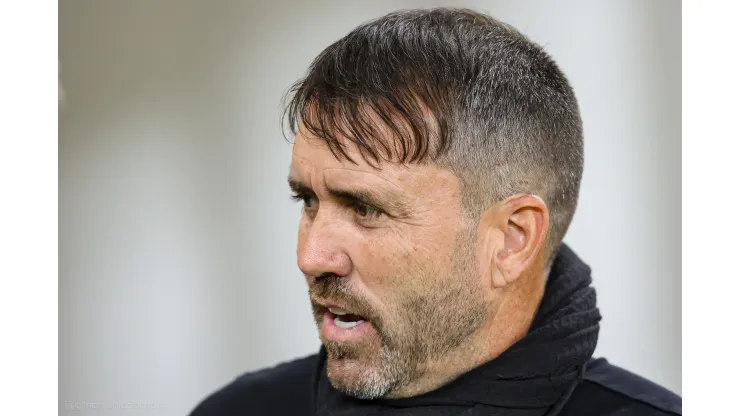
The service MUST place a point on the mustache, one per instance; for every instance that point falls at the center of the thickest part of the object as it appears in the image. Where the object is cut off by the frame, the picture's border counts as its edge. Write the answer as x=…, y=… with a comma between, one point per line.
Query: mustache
x=332, y=288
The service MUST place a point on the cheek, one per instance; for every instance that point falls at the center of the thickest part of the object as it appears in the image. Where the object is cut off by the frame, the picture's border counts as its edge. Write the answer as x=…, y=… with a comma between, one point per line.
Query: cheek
x=374, y=262
x=391, y=267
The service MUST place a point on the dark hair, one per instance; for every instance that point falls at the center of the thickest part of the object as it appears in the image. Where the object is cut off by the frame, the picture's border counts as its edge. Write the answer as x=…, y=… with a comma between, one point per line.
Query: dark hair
x=456, y=88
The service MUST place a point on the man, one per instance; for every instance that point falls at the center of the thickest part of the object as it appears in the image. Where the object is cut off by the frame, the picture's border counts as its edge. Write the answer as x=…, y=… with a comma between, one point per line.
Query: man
x=438, y=154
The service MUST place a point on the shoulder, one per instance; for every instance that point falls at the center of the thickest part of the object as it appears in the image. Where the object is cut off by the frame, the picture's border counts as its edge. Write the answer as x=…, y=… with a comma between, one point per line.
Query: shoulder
x=282, y=389
x=609, y=390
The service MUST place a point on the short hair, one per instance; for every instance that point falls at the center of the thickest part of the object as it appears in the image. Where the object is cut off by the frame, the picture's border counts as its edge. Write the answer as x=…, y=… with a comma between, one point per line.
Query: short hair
x=455, y=88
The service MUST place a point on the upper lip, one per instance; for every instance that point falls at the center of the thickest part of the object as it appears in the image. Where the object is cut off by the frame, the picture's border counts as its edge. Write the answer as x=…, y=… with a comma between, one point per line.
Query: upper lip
x=335, y=305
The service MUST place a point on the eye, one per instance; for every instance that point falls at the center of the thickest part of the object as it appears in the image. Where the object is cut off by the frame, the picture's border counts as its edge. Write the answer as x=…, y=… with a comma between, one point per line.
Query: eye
x=367, y=211
x=308, y=200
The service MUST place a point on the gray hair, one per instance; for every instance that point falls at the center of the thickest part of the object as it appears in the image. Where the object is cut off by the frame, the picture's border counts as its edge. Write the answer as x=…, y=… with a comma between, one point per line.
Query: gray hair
x=456, y=88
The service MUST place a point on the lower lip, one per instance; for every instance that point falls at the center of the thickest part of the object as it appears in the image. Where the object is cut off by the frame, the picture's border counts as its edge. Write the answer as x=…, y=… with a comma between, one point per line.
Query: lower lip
x=331, y=332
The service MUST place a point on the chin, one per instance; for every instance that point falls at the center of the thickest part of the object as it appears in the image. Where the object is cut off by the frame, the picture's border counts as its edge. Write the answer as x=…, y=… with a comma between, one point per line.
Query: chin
x=358, y=379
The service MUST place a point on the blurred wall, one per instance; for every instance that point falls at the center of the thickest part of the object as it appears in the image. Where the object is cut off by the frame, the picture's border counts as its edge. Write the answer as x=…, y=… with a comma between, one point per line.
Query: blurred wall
x=177, y=265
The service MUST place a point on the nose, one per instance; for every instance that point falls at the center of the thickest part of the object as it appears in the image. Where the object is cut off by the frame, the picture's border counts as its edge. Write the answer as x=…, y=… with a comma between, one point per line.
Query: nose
x=322, y=247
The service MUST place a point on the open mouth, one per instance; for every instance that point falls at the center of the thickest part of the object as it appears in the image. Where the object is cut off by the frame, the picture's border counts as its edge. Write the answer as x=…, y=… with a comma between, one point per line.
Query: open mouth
x=344, y=319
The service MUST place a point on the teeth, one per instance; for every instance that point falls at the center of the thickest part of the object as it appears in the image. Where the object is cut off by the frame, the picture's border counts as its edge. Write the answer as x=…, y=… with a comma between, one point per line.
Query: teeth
x=337, y=311
x=347, y=325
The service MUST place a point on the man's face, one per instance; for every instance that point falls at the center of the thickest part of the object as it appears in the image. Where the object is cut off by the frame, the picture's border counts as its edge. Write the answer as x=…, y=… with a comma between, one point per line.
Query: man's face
x=390, y=249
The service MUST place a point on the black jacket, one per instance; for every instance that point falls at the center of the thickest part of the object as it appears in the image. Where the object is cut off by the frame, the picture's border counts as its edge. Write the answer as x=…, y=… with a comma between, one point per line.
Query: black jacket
x=549, y=372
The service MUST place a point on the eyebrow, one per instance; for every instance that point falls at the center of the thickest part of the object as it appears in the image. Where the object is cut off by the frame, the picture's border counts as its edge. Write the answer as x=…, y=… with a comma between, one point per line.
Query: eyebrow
x=363, y=196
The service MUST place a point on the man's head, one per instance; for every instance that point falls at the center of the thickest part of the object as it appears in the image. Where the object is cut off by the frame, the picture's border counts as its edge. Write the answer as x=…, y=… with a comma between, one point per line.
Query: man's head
x=439, y=156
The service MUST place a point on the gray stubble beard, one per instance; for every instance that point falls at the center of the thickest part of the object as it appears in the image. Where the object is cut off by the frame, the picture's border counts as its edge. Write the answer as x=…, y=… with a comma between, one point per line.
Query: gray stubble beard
x=440, y=320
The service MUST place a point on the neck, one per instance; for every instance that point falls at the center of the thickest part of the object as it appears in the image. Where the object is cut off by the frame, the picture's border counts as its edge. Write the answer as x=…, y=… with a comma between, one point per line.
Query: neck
x=509, y=322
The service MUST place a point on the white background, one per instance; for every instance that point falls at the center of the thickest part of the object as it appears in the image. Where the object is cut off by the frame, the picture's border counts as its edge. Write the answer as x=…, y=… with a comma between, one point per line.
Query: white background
x=176, y=236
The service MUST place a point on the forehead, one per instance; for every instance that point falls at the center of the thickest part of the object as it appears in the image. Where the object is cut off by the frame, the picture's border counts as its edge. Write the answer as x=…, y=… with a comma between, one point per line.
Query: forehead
x=313, y=160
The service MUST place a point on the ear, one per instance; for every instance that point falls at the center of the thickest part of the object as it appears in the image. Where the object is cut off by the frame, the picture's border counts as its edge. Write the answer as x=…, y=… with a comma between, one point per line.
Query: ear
x=517, y=234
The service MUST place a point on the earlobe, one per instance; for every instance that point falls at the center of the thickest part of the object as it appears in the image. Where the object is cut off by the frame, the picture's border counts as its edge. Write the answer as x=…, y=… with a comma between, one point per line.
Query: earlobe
x=498, y=279
x=501, y=273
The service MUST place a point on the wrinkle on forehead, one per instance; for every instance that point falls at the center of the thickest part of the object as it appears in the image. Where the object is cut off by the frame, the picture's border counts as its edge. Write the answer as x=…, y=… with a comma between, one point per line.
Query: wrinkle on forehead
x=422, y=184
x=315, y=152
